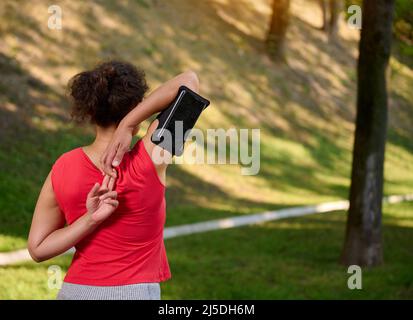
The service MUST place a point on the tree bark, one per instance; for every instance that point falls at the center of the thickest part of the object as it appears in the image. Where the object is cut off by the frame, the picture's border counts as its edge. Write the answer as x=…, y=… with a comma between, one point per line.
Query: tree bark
x=278, y=29
x=363, y=241
x=330, y=10
x=335, y=8
x=323, y=6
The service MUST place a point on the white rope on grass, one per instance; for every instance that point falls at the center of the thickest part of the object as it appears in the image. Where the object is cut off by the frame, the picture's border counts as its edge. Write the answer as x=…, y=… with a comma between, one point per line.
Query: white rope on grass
x=8, y=258
x=238, y=221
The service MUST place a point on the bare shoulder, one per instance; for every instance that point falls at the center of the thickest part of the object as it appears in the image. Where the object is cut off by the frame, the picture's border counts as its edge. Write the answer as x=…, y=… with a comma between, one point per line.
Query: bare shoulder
x=160, y=157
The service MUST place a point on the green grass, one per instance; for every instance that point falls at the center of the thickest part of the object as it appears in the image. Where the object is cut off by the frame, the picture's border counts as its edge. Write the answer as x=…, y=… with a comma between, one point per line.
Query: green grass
x=305, y=109
x=287, y=259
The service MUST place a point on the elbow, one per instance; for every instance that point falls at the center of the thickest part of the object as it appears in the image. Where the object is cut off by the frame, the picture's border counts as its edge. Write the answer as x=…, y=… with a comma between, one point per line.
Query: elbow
x=191, y=80
x=34, y=254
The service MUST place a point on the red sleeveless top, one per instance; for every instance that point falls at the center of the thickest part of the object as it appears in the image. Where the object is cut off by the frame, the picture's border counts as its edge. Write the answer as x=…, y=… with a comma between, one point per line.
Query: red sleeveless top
x=128, y=247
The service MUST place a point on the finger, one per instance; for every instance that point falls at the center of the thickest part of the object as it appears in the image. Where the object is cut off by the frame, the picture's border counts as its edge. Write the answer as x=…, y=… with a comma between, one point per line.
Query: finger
x=105, y=182
x=112, y=202
x=118, y=156
x=93, y=192
x=102, y=161
x=107, y=195
x=111, y=171
x=114, y=173
x=107, y=163
x=111, y=183
x=104, y=187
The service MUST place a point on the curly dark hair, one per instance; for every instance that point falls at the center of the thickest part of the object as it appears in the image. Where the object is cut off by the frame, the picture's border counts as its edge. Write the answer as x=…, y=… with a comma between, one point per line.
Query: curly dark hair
x=107, y=93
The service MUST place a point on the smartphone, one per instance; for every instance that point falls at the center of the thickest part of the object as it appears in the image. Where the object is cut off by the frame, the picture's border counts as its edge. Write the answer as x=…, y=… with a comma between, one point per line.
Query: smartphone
x=177, y=120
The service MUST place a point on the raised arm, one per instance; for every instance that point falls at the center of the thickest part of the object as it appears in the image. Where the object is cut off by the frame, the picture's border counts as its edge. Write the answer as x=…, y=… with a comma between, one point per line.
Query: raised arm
x=48, y=235
x=157, y=101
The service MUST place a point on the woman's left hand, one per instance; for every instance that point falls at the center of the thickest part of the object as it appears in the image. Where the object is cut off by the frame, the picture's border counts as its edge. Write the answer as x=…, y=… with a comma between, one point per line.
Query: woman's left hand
x=101, y=201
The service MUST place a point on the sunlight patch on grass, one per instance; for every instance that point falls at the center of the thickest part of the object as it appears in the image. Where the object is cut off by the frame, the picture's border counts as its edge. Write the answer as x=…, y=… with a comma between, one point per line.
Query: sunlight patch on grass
x=305, y=109
x=287, y=259
x=30, y=280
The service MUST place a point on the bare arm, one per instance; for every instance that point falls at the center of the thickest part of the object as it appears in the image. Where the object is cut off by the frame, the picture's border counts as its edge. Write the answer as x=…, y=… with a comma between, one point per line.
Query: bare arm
x=160, y=98
x=48, y=235
x=157, y=101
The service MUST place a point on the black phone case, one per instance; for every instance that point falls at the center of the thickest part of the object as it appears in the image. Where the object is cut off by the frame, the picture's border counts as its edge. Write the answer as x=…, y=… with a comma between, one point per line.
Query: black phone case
x=183, y=113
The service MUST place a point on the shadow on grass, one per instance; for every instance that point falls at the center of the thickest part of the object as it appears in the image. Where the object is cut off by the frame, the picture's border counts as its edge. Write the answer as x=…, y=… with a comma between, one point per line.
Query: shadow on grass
x=287, y=259
x=204, y=35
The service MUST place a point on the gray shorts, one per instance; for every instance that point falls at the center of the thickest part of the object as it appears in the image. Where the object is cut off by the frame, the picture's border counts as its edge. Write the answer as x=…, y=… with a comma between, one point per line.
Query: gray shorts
x=139, y=291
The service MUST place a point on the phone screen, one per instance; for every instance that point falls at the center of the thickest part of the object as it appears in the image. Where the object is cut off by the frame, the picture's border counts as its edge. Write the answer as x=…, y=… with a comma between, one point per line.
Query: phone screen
x=178, y=119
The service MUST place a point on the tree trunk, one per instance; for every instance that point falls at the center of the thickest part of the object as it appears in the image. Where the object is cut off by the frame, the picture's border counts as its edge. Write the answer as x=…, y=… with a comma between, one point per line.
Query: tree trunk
x=323, y=6
x=335, y=8
x=330, y=10
x=278, y=29
x=363, y=243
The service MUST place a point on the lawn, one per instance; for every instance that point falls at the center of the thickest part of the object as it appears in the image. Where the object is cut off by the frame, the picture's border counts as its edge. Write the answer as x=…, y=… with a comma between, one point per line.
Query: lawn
x=305, y=109
x=286, y=259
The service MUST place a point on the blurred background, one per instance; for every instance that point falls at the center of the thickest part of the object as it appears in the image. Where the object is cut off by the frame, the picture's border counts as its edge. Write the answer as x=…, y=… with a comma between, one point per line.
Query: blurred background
x=302, y=95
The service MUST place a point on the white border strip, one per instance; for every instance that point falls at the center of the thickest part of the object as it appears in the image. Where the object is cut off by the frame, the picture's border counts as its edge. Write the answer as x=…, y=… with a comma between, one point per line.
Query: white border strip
x=231, y=222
